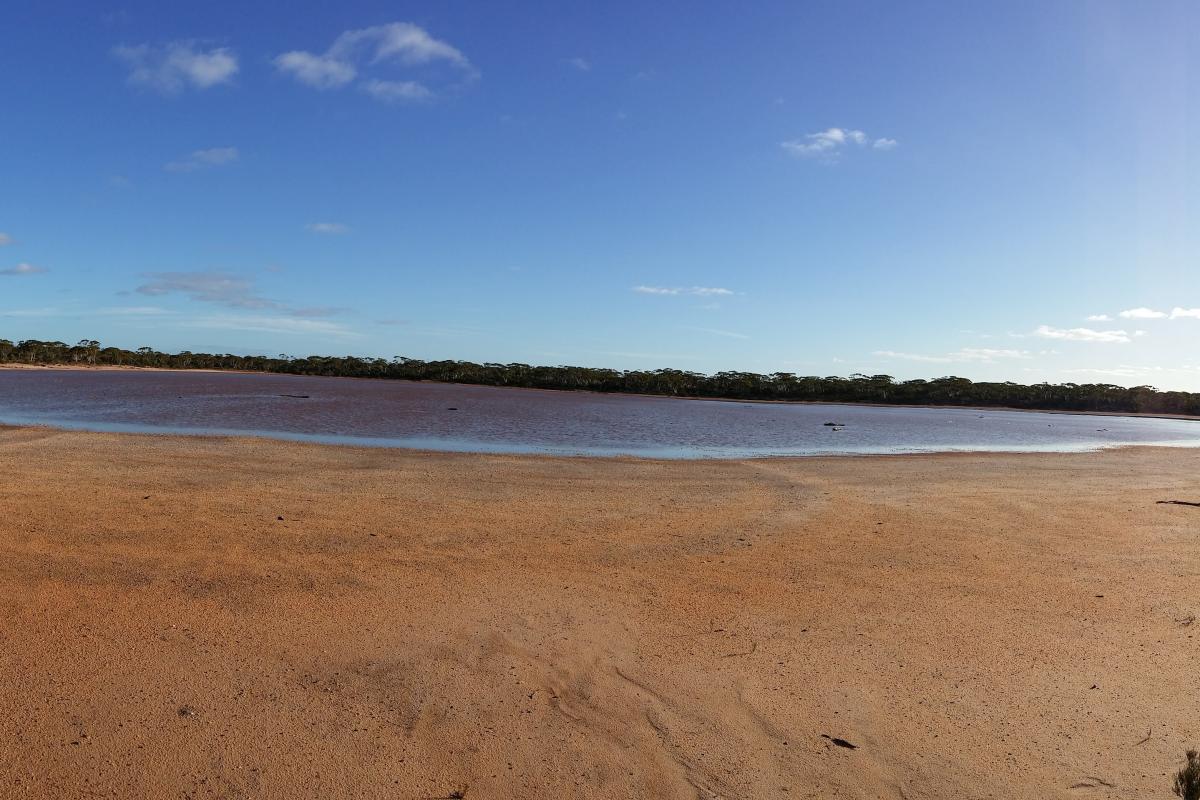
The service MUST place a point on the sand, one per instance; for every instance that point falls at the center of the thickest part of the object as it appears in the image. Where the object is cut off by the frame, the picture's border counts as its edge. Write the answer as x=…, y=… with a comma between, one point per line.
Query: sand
x=238, y=618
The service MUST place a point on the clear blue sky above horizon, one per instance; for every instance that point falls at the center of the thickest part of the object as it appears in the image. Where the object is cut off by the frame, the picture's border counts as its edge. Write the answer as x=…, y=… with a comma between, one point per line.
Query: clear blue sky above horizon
x=999, y=191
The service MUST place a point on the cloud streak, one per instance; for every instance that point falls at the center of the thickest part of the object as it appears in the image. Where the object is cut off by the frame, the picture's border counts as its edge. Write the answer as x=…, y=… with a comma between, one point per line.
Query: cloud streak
x=1143, y=312
x=232, y=291
x=5, y=239
x=964, y=355
x=1083, y=335
x=718, y=332
x=328, y=228
x=397, y=91
x=695, y=291
x=271, y=324
x=23, y=269
x=203, y=159
x=173, y=67
x=221, y=288
x=829, y=144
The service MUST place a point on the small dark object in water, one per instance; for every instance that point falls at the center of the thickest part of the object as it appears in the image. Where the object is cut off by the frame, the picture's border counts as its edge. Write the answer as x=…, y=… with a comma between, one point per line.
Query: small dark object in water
x=835, y=424
x=1177, y=503
x=451, y=408
x=297, y=396
x=840, y=742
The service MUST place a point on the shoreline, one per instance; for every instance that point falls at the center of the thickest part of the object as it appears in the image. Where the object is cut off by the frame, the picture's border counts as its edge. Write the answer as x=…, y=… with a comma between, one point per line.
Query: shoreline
x=124, y=368
x=362, y=444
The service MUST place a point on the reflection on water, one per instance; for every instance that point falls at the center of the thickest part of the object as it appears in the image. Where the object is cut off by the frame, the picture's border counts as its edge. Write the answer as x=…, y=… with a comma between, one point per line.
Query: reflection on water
x=487, y=419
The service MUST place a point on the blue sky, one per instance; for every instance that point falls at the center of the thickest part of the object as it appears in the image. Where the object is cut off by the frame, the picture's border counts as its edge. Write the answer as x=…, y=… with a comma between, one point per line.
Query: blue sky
x=918, y=189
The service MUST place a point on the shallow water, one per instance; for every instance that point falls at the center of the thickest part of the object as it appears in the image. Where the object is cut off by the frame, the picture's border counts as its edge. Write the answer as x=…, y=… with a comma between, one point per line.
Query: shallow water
x=489, y=419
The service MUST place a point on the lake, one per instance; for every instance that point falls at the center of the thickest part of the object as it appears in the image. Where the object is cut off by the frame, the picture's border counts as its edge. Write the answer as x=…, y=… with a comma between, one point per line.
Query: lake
x=499, y=420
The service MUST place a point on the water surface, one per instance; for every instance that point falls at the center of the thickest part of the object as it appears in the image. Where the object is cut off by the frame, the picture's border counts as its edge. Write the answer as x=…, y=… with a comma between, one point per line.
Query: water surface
x=489, y=419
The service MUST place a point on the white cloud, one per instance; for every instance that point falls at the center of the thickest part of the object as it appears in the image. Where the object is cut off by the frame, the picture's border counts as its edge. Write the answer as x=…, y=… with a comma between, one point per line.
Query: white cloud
x=397, y=91
x=23, y=269
x=965, y=355
x=698, y=291
x=5, y=239
x=828, y=144
x=174, y=66
x=1142, y=313
x=581, y=64
x=1099, y=318
x=395, y=43
x=202, y=159
x=319, y=72
x=1185, y=313
x=1082, y=335
x=328, y=228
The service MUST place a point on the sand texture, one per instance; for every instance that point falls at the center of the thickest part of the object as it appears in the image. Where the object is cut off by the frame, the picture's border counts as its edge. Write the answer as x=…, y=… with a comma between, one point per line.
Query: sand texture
x=225, y=618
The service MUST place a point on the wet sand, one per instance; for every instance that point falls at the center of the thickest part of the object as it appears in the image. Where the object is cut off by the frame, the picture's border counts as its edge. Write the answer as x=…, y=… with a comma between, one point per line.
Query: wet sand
x=229, y=618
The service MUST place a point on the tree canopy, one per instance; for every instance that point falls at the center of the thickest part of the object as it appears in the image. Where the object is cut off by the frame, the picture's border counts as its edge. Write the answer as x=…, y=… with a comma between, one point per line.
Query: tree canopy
x=783, y=386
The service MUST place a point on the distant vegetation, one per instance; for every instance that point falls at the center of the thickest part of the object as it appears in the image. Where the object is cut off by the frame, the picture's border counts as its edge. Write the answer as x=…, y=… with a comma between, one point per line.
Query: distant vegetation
x=948, y=391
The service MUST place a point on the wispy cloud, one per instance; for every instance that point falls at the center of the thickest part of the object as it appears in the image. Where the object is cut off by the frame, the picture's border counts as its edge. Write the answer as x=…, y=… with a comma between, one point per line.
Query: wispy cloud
x=697, y=291
x=328, y=228
x=1142, y=313
x=964, y=355
x=718, y=332
x=221, y=288
x=229, y=290
x=579, y=63
x=31, y=312
x=316, y=71
x=23, y=269
x=5, y=239
x=1082, y=335
x=829, y=144
x=271, y=324
x=317, y=312
x=1140, y=373
x=172, y=67
x=397, y=43
x=203, y=159
x=133, y=311
x=397, y=91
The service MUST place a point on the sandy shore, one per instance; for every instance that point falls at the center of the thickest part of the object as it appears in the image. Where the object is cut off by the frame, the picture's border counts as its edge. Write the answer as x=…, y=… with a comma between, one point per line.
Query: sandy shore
x=225, y=618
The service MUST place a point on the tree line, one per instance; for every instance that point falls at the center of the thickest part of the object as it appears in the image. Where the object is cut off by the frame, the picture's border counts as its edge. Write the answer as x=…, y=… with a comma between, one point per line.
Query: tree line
x=857, y=388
